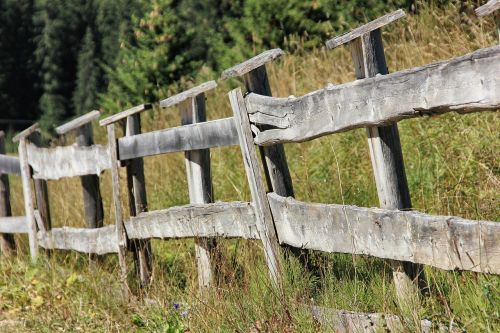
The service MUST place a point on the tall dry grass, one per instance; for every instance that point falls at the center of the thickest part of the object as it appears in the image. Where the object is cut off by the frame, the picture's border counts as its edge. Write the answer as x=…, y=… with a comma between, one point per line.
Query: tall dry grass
x=452, y=168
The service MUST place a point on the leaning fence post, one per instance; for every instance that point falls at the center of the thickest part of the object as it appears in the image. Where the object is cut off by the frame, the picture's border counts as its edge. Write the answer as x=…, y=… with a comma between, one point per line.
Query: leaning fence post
x=136, y=187
x=488, y=8
x=92, y=201
x=192, y=109
x=28, y=199
x=7, y=242
x=384, y=144
x=263, y=214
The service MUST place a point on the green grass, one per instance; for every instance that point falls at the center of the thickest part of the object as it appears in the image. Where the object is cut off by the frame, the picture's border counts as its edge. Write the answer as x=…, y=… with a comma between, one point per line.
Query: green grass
x=452, y=167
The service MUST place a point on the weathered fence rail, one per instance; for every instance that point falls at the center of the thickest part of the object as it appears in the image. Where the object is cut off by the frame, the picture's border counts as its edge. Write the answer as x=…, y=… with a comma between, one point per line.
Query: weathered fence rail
x=377, y=101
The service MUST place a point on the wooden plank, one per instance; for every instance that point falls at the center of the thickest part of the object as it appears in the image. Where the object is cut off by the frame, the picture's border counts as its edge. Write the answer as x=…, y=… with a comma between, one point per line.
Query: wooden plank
x=9, y=165
x=488, y=8
x=41, y=188
x=188, y=94
x=86, y=240
x=124, y=114
x=136, y=186
x=445, y=242
x=121, y=235
x=364, y=29
x=220, y=219
x=13, y=225
x=78, y=122
x=67, y=161
x=263, y=215
x=28, y=198
x=251, y=64
x=465, y=84
x=7, y=242
x=27, y=132
x=215, y=133
x=199, y=179
x=387, y=158
x=342, y=321
x=92, y=200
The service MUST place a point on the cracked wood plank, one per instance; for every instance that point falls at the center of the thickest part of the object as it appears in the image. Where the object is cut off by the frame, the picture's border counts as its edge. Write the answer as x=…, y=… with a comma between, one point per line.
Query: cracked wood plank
x=468, y=83
x=251, y=64
x=215, y=133
x=86, y=240
x=446, y=242
x=488, y=8
x=190, y=93
x=221, y=219
x=78, y=122
x=67, y=161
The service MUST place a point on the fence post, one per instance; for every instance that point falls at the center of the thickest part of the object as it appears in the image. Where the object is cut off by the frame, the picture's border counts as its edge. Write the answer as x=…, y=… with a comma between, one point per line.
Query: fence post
x=488, y=8
x=263, y=214
x=136, y=187
x=384, y=144
x=41, y=189
x=27, y=192
x=7, y=242
x=192, y=110
x=92, y=201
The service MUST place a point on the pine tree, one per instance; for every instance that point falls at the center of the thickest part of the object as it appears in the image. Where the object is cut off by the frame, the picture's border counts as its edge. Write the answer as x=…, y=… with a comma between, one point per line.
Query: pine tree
x=85, y=95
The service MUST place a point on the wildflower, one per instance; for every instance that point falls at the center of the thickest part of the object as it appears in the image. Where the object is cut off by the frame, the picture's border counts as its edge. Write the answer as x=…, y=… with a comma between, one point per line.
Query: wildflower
x=176, y=306
x=184, y=314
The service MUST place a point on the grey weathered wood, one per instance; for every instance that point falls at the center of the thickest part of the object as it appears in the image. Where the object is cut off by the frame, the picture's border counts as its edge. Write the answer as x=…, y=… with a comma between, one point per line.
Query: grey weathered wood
x=7, y=242
x=27, y=132
x=121, y=235
x=9, y=165
x=386, y=153
x=92, y=200
x=199, y=178
x=488, y=8
x=342, y=321
x=136, y=186
x=78, y=122
x=188, y=94
x=67, y=161
x=28, y=198
x=364, y=29
x=12, y=225
x=220, y=219
x=263, y=215
x=215, y=133
x=465, y=84
x=251, y=64
x=91, y=241
x=446, y=242
x=41, y=187
x=124, y=114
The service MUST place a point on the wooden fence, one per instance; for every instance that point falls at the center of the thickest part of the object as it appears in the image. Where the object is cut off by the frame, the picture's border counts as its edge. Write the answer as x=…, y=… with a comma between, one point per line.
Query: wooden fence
x=377, y=101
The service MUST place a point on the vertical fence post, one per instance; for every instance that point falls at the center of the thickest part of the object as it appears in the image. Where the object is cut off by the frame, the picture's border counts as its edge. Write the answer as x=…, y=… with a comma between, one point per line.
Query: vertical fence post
x=199, y=179
x=263, y=214
x=136, y=187
x=41, y=188
x=384, y=143
x=92, y=200
x=121, y=235
x=7, y=242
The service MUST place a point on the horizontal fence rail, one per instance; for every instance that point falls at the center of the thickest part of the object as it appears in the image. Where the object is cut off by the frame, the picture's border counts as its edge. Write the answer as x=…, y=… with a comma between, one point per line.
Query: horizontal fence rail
x=465, y=84
x=221, y=219
x=13, y=225
x=10, y=165
x=210, y=134
x=444, y=242
x=67, y=161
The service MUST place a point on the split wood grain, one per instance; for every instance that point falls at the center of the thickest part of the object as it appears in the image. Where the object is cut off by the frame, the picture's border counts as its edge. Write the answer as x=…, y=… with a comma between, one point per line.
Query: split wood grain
x=364, y=29
x=67, y=161
x=78, y=122
x=445, y=242
x=210, y=134
x=220, y=219
x=124, y=114
x=465, y=84
x=86, y=240
x=188, y=94
x=253, y=63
